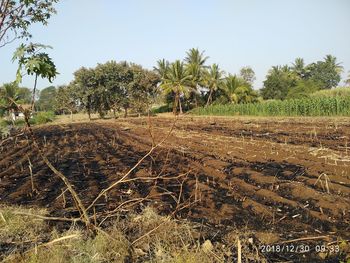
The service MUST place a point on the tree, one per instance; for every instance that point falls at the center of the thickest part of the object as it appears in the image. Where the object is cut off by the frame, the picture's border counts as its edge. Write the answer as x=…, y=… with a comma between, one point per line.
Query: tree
x=24, y=95
x=162, y=68
x=178, y=81
x=195, y=65
x=143, y=88
x=238, y=90
x=213, y=80
x=83, y=85
x=327, y=72
x=65, y=100
x=248, y=74
x=303, y=89
x=299, y=67
x=16, y=16
x=347, y=81
x=34, y=63
x=278, y=82
x=47, y=99
x=9, y=98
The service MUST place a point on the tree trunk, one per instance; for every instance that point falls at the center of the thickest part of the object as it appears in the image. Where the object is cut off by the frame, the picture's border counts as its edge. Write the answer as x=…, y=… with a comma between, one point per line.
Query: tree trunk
x=125, y=112
x=33, y=98
x=210, y=97
x=89, y=107
x=180, y=105
x=114, y=114
x=12, y=116
x=175, y=103
x=71, y=115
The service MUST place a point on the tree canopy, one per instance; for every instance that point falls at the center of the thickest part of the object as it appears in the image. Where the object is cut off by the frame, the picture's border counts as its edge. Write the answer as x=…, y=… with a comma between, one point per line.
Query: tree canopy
x=18, y=15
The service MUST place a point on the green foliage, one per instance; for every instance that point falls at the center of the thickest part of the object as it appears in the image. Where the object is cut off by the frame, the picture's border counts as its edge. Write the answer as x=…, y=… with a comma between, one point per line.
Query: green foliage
x=65, y=99
x=46, y=100
x=328, y=106
x=9, y=96
x=34, y=63
x=178, y=81
x=18, y=16
x=213, y=80
x=347, y=80
x=300, y=80
x=161, y=109
x=248, y=74
x=278, y=83
x=325, y=72
x=238, y=90
x=336, y=92
x=24, y=95
x=303, y=89
x=114, y=86
x=42, y=117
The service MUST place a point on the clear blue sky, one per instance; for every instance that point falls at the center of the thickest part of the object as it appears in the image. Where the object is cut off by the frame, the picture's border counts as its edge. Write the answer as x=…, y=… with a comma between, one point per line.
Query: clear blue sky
x=258, y=33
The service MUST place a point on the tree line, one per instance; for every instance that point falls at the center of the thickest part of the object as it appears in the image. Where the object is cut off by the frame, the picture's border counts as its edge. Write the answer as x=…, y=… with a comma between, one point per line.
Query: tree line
x=182, y=85
x=300, y=80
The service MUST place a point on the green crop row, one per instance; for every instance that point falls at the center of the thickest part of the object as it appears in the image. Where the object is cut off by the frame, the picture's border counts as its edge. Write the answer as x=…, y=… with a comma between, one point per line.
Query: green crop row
x=318, y=106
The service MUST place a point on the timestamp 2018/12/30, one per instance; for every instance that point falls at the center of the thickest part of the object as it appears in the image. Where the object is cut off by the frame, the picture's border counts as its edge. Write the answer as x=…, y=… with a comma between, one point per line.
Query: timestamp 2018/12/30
x=300, y=248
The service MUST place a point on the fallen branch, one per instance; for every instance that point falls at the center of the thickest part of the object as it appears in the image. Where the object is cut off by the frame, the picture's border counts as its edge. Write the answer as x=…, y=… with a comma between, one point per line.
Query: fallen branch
x=48, y=217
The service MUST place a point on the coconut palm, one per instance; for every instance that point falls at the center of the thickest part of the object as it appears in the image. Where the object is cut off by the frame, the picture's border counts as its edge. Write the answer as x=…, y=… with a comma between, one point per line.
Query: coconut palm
x=9, y=98
x=238, y=90
x=177, y=80
x=162, y=68
x=299, y=67
x=331, y=62
x=347, y=81
x=195, y=64
x=213, y=80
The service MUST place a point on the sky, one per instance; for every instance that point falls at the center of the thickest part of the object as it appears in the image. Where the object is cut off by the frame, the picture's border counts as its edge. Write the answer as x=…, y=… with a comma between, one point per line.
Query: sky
x=233, y=33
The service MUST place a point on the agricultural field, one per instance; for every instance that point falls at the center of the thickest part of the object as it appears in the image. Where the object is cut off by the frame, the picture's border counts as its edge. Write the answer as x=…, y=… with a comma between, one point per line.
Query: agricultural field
x=272, y=181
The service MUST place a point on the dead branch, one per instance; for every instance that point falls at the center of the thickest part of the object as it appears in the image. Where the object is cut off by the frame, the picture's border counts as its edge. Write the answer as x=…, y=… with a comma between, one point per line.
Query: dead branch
x=303, y=239
x=48, y=217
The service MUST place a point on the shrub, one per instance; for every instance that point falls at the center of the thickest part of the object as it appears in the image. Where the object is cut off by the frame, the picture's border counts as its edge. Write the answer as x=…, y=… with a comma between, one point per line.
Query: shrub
x=43, y=117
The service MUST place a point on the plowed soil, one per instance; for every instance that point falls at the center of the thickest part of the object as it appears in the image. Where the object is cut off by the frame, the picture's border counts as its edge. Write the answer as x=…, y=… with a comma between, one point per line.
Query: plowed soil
x=288, y=178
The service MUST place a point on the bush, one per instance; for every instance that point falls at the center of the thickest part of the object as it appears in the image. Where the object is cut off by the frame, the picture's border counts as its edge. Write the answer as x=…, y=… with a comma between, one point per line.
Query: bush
x=161, y=109
x=42, y=117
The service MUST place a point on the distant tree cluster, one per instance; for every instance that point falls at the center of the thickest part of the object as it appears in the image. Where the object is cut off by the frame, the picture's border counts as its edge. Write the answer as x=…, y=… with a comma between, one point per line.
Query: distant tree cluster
x=192, y=83
x=110, y=86
x=300, y=80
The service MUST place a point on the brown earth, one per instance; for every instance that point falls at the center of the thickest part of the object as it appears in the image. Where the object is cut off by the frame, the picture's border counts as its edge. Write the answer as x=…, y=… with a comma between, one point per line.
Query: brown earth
x=284, y=178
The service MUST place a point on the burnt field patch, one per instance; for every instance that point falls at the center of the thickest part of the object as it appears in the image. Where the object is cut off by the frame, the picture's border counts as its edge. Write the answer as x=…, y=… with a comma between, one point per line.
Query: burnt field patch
x=222, y=181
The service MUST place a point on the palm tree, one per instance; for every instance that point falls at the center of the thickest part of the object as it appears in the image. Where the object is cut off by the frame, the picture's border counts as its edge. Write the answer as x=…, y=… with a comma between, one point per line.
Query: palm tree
x=9, y=98
x=177, y=80
x=162, y=68
x=238, y=90
x=347, y=81
x=299, y=67
x=331, y=62
x=195, y=64
x=213, y=80
x=231, y=83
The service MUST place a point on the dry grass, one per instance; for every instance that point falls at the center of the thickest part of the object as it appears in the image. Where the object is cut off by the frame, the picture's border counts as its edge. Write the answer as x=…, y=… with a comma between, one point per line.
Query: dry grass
x=24, y=238
x=20, y=228
x=171, y=240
